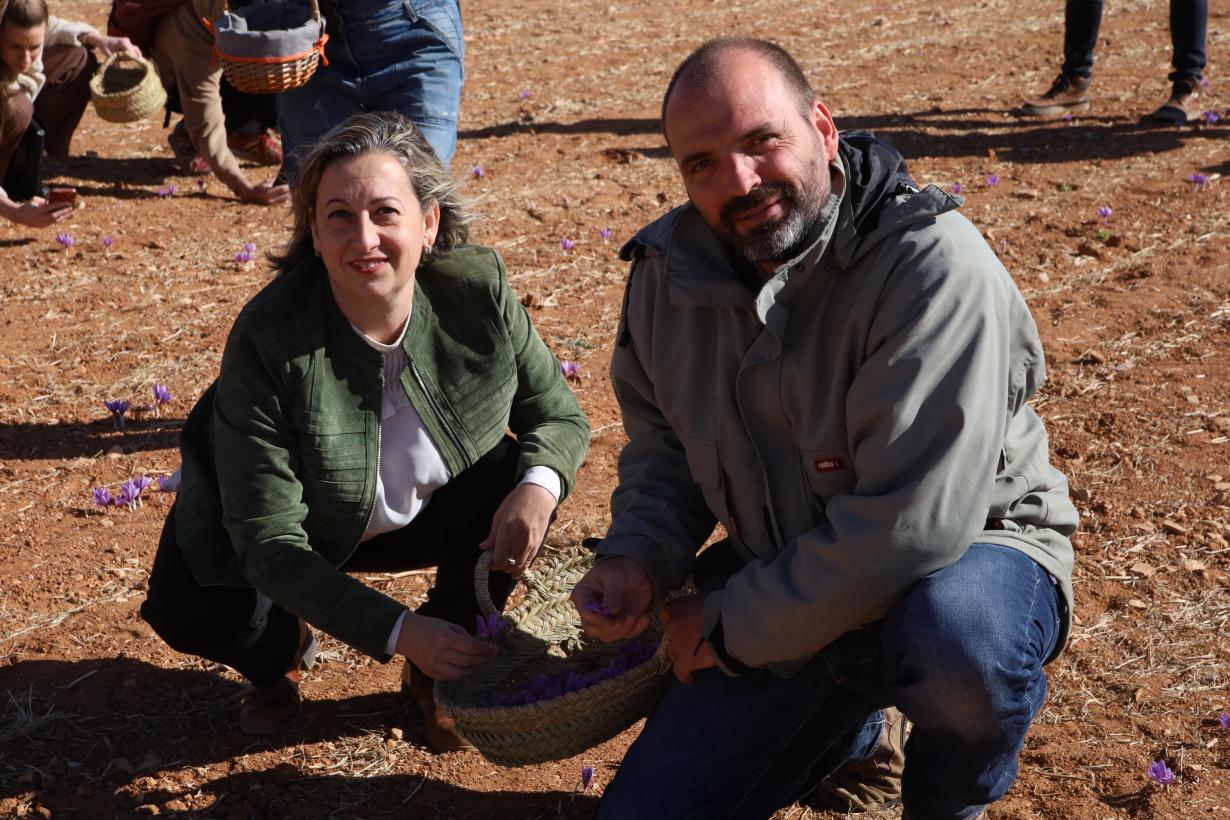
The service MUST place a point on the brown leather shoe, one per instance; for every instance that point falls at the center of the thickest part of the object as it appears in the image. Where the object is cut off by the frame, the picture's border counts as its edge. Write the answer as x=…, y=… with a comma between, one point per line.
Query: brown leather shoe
x=1066, y=95
x=442, y=734
x=1183, y=105
x=872, y=783
x=267, y=710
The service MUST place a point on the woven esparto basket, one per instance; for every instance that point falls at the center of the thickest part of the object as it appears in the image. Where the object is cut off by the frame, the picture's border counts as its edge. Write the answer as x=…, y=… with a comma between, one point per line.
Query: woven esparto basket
x=272, y=73
x=127, y=89
x=546, y=637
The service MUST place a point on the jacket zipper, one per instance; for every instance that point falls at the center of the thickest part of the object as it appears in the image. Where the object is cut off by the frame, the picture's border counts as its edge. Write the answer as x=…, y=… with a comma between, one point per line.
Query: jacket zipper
x=435, y=408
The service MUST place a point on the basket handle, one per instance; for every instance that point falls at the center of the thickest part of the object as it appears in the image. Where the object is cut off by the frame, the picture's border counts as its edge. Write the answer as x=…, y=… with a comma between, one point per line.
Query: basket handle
x=482, y=572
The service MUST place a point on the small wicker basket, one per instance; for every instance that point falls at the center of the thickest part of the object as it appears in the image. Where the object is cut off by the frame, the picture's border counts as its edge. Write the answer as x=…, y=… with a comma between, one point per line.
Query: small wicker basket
x=546, y=637
x=127, y=89
x=259, y=56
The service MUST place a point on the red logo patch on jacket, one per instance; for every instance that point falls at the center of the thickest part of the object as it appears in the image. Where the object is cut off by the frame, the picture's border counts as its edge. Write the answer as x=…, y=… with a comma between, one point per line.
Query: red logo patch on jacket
x=830, y=464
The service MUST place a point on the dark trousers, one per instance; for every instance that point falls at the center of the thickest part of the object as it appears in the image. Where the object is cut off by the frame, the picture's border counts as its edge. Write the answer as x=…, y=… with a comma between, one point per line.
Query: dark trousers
x=59, y=104
x=245, y=630
x=1188, y=25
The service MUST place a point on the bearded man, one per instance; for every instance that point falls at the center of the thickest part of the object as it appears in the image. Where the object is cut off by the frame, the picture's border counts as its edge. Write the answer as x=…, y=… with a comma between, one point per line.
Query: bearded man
x=833, y=365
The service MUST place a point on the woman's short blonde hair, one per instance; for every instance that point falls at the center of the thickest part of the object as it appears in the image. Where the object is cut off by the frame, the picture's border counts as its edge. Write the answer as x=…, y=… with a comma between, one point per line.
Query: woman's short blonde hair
x=385, y=132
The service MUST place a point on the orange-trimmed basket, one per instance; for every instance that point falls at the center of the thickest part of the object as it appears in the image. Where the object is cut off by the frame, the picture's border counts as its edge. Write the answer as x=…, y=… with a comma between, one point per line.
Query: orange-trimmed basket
x=545, y=637
x=269, y=47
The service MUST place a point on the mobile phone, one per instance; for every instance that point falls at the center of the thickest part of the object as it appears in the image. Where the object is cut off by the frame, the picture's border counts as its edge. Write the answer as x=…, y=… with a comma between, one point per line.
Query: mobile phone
x=65, y=195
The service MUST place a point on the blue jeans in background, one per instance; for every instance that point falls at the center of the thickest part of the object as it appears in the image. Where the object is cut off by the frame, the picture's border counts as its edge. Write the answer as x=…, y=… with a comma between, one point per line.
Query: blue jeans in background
x=960, y=655
x=384, y=55
x=1188, y=26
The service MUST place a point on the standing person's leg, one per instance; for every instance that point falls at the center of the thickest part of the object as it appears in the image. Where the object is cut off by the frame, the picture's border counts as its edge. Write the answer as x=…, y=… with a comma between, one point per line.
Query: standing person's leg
x=305, y=114
x=741, y=747
x=1189, y=21
x=63, y=99
x=1081, y=21
x=413, y=61
x=963, y=654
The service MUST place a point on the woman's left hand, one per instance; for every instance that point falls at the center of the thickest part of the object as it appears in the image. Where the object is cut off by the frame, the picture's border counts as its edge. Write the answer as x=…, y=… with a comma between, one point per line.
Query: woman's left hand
x=518, y=528
x=110, y=45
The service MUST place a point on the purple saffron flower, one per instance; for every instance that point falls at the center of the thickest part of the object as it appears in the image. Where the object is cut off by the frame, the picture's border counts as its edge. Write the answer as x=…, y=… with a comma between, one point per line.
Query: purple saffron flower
x=594, y=606
x=992, y=180
x=106, y=242
x=118, y=408
x=162, y=394
x=1068, y=116
x=1211, y=117
x=141, y=483
x=1105, y=211
x=102, y=496
x=567, y=244
x=525, y=94
x=956, y=187
x=128, y=496
x=587, y=777
x=243, y=257
x=1198, y=179
x=605, y=233
x=477, y=172
x=65, y=239
x=250, y=247
x=1204, y=82
x=1161, y=773
x=1224, y=720
x=490, y=628
x=571, y=370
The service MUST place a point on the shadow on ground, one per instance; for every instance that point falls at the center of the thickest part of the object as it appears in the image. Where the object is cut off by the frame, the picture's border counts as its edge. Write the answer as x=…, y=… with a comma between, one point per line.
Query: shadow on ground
x=75, y=440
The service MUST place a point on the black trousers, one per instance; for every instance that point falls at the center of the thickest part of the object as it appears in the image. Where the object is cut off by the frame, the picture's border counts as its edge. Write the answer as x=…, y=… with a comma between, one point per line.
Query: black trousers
x=1188, y=29
x=251, y=633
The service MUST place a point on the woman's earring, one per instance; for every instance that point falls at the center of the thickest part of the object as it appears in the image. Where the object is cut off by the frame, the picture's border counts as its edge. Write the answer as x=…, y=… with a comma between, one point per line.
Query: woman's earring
x=317, y=250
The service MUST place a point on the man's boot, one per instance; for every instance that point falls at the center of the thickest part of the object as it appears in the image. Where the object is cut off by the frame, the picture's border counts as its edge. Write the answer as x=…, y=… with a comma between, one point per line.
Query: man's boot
x=872, y=783
x=442, y=734
x=1183, y=105
x=1066, y=95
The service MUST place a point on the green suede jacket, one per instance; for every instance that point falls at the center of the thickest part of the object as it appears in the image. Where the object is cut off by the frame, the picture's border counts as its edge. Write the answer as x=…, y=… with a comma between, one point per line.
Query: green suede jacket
x=281, y=453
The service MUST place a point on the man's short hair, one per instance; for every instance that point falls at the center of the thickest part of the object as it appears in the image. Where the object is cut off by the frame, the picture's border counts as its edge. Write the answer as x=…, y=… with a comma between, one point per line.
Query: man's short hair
x=702, y=67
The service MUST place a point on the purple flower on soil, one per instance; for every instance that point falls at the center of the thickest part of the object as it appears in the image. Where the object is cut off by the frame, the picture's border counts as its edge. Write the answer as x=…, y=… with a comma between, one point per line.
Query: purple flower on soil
x=1105, y=211
x=1068, y=116
x=243, y=257
x=167, y=192
x=490, y=628
x=250, y=247
x=162, y=394
x=956, y=187
x=1211, y=117
x=65, y=239
x=102, y=496
x=1198, y=179
x=570, y=370
x=525, y=94
x=992, y=180
x=567, y=244
x=1204, y=82
x=106, y=242
x=477, y=172
x=118, y=408
x=1159, y=772
x=605, y=233
x=1224, y=720
x=587, y=777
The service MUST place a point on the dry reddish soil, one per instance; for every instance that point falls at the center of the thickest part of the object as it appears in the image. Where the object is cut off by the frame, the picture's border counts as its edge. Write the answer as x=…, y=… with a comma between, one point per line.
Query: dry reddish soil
x=99, y=719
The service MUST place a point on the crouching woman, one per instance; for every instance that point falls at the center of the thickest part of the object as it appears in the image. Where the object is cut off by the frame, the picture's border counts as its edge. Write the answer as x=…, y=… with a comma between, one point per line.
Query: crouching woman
x=360, y=421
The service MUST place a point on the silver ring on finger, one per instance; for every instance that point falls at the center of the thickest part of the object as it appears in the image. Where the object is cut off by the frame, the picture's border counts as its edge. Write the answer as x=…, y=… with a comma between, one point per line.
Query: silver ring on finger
x=512, y=562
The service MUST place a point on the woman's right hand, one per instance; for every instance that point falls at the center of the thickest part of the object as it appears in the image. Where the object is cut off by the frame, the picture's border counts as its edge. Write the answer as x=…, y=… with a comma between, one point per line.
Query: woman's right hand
x=443, y=650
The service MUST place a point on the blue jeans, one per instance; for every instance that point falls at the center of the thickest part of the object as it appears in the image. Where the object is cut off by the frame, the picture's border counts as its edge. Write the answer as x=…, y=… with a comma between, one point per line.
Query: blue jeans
x=384, y=55
x=960, y=654
x=1188, y=25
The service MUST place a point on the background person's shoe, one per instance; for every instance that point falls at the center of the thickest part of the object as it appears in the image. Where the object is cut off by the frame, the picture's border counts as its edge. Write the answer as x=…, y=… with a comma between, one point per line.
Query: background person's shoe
x=1066, y=95
x=442, y=734
x=267, y=710
x=1183, y=105
x=872, y=783
x=262, y=148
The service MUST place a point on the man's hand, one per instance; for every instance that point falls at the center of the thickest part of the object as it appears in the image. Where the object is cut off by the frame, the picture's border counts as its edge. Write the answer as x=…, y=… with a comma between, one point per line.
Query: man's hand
x=683, y=619
x=518, y=528
x=614, y=599
x=443, y=650
x=110, y=45
x=38, y=212
x=265, y=193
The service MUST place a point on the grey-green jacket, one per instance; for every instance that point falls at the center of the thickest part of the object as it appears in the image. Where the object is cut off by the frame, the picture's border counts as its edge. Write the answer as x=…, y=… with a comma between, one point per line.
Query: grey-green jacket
x=281, y=453
x=855, y=425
